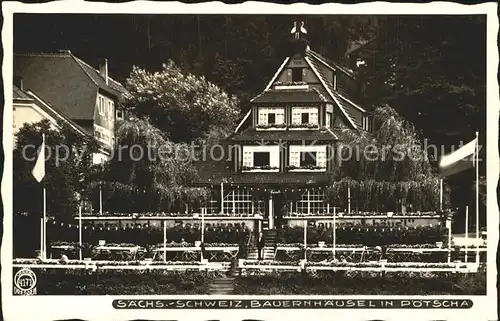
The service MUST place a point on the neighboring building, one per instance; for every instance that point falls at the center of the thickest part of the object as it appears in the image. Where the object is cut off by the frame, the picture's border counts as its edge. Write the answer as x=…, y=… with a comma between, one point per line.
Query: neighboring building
x=87, y=96
x=29, y=108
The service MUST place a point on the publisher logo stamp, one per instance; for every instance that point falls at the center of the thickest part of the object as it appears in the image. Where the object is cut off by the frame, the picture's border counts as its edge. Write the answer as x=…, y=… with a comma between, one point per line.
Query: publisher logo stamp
x=25, y=282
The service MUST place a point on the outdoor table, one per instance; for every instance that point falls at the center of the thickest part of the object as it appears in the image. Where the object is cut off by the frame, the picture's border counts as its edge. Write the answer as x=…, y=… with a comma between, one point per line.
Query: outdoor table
x=226, y=253
x=182, y=253
x=348, y=253
x=130, y=249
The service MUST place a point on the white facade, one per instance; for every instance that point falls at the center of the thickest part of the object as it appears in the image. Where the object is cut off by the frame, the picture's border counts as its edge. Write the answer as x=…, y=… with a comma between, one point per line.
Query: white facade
x=249, y=154
x=296, y=154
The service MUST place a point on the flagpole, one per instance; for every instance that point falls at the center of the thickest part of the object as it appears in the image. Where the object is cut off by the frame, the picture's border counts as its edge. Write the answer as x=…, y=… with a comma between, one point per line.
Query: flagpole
x=80, y=230
x=164, y=240
x=222, y=197
x=334, y=232
x=100, y=199
x=44, y=246
x=466, y=232
x=348, y=200
x=441, y=194
x=477, y=196
x=305, y=239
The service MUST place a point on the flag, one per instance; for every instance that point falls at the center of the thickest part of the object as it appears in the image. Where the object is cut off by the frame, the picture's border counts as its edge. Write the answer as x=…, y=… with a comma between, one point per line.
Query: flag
x=459, y=160
x=39, y=169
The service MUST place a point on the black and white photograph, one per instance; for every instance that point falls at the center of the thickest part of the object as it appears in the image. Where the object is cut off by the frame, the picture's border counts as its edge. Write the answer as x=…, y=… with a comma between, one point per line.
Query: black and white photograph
x=339, y=156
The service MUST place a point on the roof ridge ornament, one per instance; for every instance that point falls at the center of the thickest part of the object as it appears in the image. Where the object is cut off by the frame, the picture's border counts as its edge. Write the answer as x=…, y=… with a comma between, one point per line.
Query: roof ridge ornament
x=297, y=31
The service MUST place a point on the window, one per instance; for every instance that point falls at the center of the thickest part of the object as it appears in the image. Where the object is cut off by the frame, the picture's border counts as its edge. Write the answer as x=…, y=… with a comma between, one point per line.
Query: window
x=271, y=115
x=304, y=118
x=271, y=118
x=296, y=74
x=110, y=108
x=261, y=159
x=307, y=159
x=328, y=120
x=242, y=202
x=304, y=115
x=100, y=105
x=119, y=114
x=313, y=202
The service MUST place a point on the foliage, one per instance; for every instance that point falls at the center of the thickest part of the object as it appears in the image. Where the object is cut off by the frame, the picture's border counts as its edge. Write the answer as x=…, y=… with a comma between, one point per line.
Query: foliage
x=385, y=166
x=426, y=72
x=370, y=236
x=183, y=106
x=148, y=172
x=121, y=282
x=362, y=283
x=67, y=169
x=146, y=236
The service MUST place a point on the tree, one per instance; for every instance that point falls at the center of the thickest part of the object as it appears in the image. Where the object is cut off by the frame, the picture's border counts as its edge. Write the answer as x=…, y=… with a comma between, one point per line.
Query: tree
x=183, y=106
x=423, y=67
x=147, y=172
x=68, y=160
x=385, y=166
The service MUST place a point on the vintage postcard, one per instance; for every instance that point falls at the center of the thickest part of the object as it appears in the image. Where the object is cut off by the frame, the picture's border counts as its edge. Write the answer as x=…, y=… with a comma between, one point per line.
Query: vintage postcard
x=172, y=161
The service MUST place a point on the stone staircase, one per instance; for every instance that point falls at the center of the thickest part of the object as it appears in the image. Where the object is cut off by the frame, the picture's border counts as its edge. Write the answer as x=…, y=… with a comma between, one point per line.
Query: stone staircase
x=222, y=286
x=267, y=253
x=269, y=237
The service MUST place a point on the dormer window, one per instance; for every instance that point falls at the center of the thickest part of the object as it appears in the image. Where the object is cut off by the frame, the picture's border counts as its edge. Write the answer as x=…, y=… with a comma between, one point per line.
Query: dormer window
x=271, y=117
x=304, y=117
x=297, y=74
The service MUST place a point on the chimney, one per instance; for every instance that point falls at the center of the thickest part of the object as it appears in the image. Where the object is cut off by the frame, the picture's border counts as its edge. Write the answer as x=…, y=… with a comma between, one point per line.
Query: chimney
x=18, y=82
x=103, y=69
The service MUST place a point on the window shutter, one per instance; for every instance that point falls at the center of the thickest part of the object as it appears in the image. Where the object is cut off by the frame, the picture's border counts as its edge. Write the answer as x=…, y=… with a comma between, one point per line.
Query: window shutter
x=262, y=117
x=294, y=159
x=280, y=118
x=313, y=117
x=296, y=117
x=247, y=159
x=321, y=159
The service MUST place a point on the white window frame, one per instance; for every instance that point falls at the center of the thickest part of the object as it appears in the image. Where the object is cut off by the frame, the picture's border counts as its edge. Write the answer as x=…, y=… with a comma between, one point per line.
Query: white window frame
x=100, y=105
x=295, y=155
x=313, y=202
x=119, y=114
x=241, y=201
x=274, y=157
x=263, y=113
x=329, y=119
x=299, y=110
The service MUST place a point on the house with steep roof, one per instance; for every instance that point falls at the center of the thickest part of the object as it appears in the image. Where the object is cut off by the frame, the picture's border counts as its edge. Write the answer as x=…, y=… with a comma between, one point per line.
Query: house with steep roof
x=29, y=108
x=281, y=156
x=86, y=95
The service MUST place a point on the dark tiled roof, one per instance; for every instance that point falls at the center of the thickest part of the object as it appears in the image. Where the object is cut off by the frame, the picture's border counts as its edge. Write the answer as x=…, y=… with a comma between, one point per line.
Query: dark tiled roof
x=290, y=96
x=19, y=94
x=298, y=178
x=113, y=86
x=69, y=84
x=317, y=62
x=47, y=108
x=251, y=134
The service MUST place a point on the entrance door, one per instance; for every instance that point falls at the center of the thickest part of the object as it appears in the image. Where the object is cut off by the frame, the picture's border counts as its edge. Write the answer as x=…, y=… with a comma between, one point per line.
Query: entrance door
x=279, y=209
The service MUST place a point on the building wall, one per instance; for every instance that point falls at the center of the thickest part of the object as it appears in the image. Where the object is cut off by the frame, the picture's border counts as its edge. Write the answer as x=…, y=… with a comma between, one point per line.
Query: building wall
x=104, y=120
x=27, y=113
